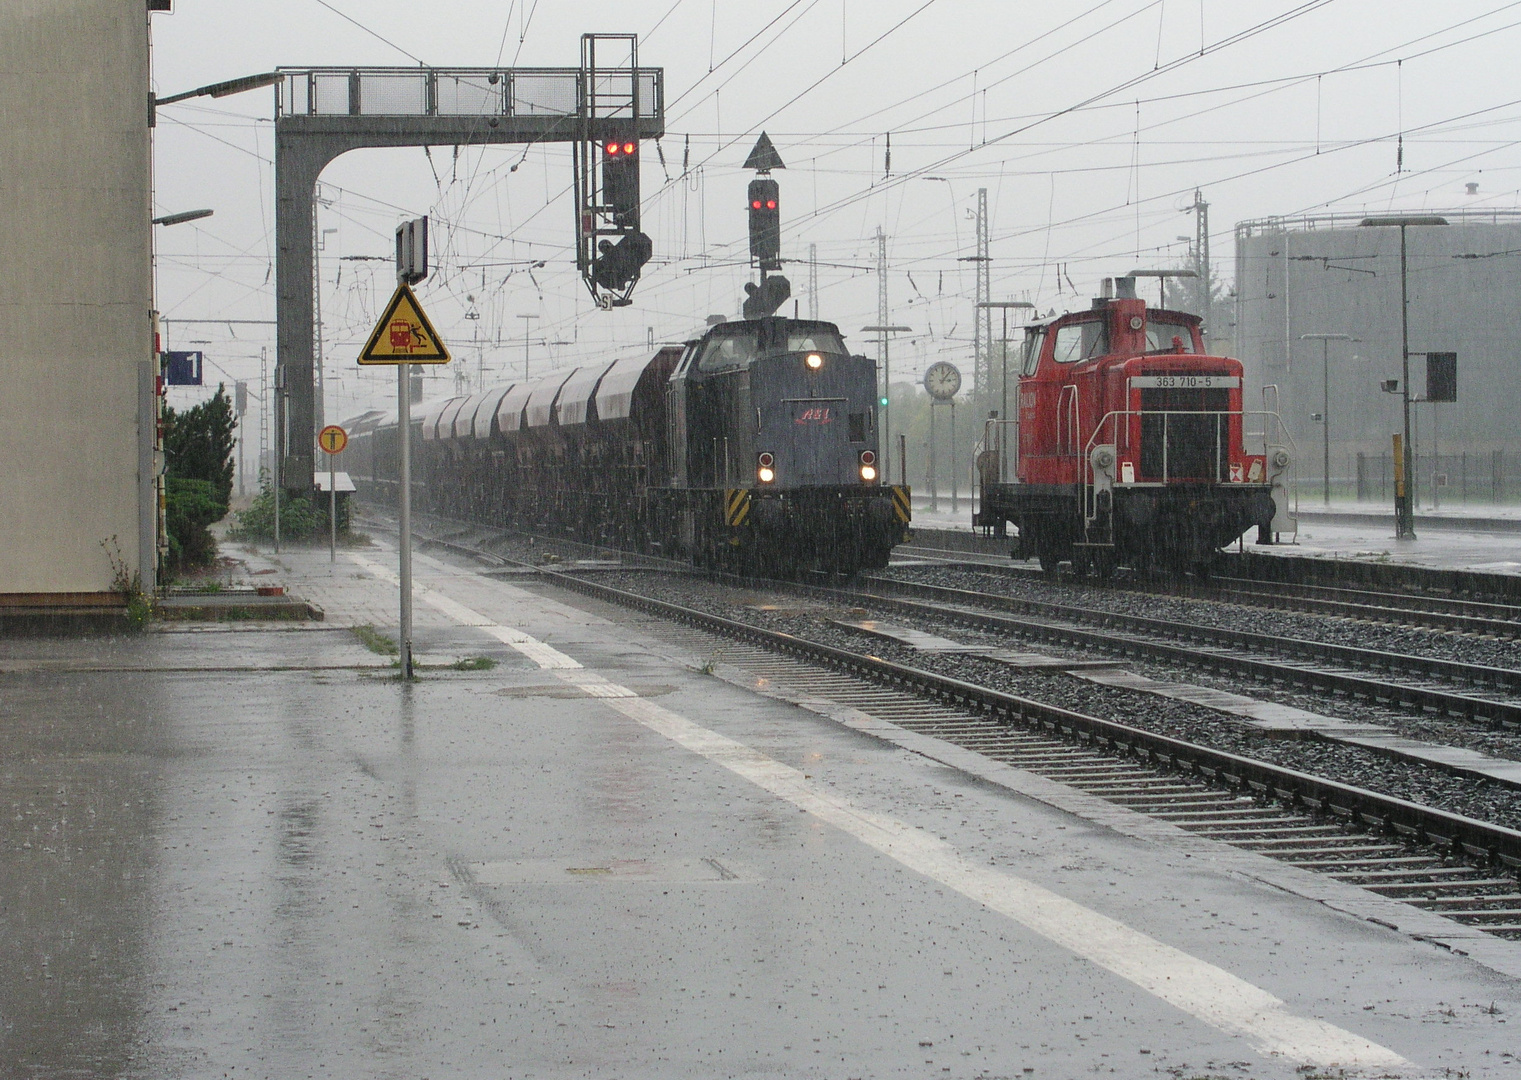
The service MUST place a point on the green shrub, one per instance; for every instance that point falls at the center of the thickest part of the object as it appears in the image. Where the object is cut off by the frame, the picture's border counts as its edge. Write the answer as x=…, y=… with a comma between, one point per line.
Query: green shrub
x=190, y=508
x=198, y=443
x=299, y=518
x=198, y=446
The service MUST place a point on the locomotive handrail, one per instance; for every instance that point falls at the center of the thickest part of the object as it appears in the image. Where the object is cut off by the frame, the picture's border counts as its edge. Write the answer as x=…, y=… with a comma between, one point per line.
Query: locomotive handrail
x=1266, y=414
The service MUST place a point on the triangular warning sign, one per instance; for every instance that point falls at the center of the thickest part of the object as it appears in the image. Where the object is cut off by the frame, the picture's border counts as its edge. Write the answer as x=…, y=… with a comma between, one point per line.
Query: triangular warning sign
x=764, y=157
x=404, y=335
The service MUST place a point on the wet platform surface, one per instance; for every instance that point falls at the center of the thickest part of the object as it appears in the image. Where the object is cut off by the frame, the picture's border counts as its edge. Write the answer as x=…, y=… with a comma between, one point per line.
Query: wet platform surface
x=252, y=852
x=1475, y=536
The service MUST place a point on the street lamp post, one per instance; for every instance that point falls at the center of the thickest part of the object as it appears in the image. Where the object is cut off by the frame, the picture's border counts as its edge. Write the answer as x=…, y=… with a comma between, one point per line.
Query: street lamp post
x=1404, y=511
x=1003, y=411
x=887, y=395
x=1325, y=405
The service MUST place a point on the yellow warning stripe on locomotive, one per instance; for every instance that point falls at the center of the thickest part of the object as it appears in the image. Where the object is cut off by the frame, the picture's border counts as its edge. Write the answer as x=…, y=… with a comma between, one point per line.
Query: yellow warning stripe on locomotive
x=736, y=505
x=902, y=504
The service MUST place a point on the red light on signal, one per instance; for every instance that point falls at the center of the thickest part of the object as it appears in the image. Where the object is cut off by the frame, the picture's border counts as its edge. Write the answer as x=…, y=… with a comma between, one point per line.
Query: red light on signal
x=629, y=148
x=755, y=205
x=770, y=204
x=612, y=149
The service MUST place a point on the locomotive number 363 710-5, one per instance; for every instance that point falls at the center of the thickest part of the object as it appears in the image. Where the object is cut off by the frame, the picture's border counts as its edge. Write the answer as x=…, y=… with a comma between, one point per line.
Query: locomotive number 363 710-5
x=1186, y=381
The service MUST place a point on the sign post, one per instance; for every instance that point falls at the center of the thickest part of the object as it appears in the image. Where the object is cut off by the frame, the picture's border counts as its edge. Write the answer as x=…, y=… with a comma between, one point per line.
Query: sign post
x=404, y=337
x=332, y=439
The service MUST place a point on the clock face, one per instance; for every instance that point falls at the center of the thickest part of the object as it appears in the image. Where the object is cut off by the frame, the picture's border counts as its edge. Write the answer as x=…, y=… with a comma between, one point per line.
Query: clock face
x=942, y=380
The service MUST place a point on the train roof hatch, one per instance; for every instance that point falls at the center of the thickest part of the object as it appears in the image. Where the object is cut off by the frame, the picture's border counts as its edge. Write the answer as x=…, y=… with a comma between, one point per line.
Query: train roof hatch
x=541, y=403
x=509, y=414
x=488, y=410
x=464, y=420
x=576, y=394
x=615, y=395
x=427, y=415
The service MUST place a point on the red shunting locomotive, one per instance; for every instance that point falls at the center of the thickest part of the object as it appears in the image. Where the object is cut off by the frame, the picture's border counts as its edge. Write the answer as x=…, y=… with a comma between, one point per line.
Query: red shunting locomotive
x=1130, y=446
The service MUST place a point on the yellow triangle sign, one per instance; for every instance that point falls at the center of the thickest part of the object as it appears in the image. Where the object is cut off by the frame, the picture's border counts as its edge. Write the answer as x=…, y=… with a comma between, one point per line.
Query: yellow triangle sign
x=404, y=335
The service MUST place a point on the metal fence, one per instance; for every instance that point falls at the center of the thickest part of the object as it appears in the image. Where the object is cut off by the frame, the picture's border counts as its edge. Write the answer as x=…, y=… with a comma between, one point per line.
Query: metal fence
x=1494, y=477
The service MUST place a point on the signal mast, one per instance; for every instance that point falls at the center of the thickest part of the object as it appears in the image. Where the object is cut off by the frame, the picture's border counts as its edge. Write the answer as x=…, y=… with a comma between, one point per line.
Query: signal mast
x=610, y=248
x=764, y=208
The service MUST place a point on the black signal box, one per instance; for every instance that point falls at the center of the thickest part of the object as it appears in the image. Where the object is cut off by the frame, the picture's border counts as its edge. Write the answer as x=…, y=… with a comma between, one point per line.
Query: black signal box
x=765, y=223
x=1442, y=376
x=620, y=179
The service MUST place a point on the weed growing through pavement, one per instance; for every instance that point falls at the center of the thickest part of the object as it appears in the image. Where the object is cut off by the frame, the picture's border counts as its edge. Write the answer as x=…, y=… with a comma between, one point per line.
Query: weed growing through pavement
x=129, y=583
x=375, y=641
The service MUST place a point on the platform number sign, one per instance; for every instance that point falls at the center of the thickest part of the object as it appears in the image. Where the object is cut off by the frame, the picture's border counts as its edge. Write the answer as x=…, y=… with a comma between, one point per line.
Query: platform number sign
x=333, y=439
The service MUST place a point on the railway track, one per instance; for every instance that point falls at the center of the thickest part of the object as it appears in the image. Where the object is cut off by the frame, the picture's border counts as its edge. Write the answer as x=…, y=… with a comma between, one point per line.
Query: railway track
x=1448, y=687
x=1397, y=609
x=1442, y=862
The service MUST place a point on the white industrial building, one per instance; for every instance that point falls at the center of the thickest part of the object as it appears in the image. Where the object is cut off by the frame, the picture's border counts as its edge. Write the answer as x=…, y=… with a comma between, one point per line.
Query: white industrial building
x=1333, y=275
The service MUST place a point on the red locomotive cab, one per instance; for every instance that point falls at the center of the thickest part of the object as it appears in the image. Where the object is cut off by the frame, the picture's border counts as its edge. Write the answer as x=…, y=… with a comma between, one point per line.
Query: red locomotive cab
x=1065, y=389
x=1131, y=443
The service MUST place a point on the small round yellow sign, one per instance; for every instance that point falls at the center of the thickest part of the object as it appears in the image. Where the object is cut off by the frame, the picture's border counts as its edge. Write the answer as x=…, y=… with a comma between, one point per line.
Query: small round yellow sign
x=333, y=439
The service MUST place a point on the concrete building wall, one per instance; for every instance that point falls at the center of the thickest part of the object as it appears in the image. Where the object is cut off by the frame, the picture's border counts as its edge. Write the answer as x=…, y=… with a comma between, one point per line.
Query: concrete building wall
x=1328, y=275
x=75, y=287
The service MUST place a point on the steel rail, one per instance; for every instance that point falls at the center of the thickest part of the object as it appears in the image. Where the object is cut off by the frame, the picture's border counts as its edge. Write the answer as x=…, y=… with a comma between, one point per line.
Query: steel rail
x=1208, y=646
x=1490, y=844
x=1140, y=643
x=1399, y=609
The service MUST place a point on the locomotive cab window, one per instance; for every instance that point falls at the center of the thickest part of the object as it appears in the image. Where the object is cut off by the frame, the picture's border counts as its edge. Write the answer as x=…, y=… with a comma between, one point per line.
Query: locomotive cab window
x=1034, y=340
x=728, y=351
x=817, y=340
x=857, y=423
x=1160, y=332
x=1080, y=341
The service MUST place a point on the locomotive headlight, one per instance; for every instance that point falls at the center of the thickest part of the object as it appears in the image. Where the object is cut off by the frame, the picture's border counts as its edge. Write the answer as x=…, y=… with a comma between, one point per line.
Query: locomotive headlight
x=765, y=468
x=814, y=361
x=868, y=466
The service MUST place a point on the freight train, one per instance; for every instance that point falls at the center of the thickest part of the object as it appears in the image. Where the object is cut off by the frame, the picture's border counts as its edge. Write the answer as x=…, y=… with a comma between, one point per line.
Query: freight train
x=1130, y=445
x=752, y=448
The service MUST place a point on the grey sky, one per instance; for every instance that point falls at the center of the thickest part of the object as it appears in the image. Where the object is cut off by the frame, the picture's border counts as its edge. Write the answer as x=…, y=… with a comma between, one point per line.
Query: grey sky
x=1301, y=114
